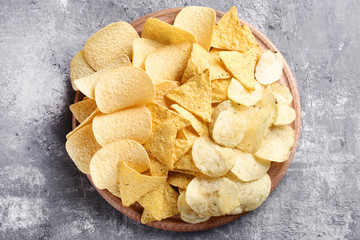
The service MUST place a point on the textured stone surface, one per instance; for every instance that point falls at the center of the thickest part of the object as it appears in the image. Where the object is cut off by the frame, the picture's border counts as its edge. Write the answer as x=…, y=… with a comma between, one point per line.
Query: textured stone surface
x=44, y=196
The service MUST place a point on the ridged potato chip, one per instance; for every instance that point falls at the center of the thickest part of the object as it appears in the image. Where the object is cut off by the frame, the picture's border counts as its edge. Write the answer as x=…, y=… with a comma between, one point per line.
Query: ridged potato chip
x=187, y=214
x=281, y=93
x=200, y=21
x=83, y=109
x=122, y=88
x=79, y=68
x=239, y=94
x=104, y=164
x=143, y=47
x=248, y=168
x=162, y=89
x=219, y=90
x=269, y=68
x=133, y=123
x=178, y=179
x=230, y=35
x=168, y=63
x=108, y=43
x=133, y=185
x=286, y=115
x=277, y=144
x=81, y=146
x=212, y=196
x=165, y=33
x=211, y=159
x=199, y=126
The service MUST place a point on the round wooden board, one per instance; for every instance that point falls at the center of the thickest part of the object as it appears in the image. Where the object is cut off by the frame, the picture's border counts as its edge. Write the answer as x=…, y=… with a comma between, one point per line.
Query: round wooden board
x=276, y=172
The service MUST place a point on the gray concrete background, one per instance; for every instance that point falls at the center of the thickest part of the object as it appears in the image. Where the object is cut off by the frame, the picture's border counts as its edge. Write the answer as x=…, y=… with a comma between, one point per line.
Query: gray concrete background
x=44, y=196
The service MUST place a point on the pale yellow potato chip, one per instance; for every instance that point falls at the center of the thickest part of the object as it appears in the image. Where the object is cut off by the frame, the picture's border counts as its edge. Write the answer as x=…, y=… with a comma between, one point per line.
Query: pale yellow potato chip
x=199, y=21
x=79, y=68
x=239, y=94
x=195, y=96
x=165, y=33
x=133, y=123
x=212, y=196
x=248, y=168
x=212, y=159
x=122, y=88
x=187, y=214
x=282, y=94
x=163, y=89
x=199, y=61
x=87, y=84
x=269, y=68
x=88, y=120
x=83, y=109
x=186, y=164
x=286, y=115
x=146, y=217
x=81, y=146
x=230, y=35
x=268, y=101
x=104, y=164
x=199, y=126
x=143, y=47
x=168, y=63
x=133, y=185
x=277, y=144
x=178, y=179
x=108, y=43
x=219, y=90
x=157, y=168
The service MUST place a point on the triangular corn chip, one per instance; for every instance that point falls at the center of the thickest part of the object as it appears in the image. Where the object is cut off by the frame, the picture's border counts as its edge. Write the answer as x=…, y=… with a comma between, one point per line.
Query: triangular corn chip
x=83, y=109
x=199, y=126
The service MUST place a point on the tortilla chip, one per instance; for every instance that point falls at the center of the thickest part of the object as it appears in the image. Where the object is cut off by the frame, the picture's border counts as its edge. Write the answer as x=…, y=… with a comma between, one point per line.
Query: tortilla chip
x=162, y=89
x=83, y=109
x=219, y=89
x=146, y=217
x=199, y=126
x=88, y=120
x=185, y=163
x=79, y=68
x=143, y=47
x=157, y=168
x=180, y=180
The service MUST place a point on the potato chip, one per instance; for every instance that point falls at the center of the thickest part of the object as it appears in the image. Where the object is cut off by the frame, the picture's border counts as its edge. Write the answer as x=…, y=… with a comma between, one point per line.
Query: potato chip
x=212, y=159
x=143, y=47
x=269, y=68
x=282, y=94
x=79, y=68
x=180, y=180
x=157, y=168
x=81, y=146
x=104, y=164
x=219, y=89
x=199, y=21
x=212, y=196
x=247, y=167
x=186, y=164
x=83, y=109
x=230, y=35
x=239, y=94
x=268, y=101
x=122, y=88
x=286, y=115
x=165, y=33
x=108, y=43
x=277, y=144
x=133, y=123
x=168, y=63
x=87, y=84
x=199, y=126
x=187, y=214
x=88, y=120
x=146, y=217
x=133, y=185
x=195, y=96
x=163, y=89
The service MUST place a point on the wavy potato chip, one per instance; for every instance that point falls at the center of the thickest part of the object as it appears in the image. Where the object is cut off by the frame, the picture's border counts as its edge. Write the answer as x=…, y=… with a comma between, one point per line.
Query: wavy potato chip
x=133, y=123
x=165, y=33
x=286, y=114
x=186, y=213
x=83, y=109
x=230, y=35
x=104, y=164
x=81, y=146
x=212, y=196
x=248, y=168
x=168, y=63
x=269, y=68
x=133, y=185
x=162, y=89
x=178, y=179
x=277, y=144
x=157, y=168
x=219, y=90
x=200, y=21
x=79, y=68
x=239, y=94
x=281, y=93
x=210, y=158
x=122, y=88
x=108, y=43
x=199, y=126
x=143, y=47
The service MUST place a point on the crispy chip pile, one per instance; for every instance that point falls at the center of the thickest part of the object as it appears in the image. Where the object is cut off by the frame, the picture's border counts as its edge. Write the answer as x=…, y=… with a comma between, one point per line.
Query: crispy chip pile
x=184, y=120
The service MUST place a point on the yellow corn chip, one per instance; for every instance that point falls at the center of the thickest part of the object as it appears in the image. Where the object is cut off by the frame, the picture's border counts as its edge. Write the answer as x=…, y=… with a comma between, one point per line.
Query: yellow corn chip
x=88, y=120
x=108, y=43
x=199, y=21
x=146, y=217
x=83, y=109
x=133, y=185
x=185, y=163
x=219, y=89
x=180, y=180
x=199, y=126
x=195, y=96
x=230, y=35
x=165, y=33
x=168, y=63
x=79, y=68
x=183, y=143
x=157, y=168
x=142, y=47
x=162, y=89
x=170, y=202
